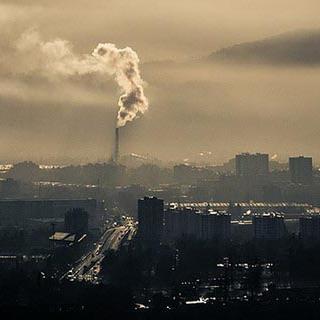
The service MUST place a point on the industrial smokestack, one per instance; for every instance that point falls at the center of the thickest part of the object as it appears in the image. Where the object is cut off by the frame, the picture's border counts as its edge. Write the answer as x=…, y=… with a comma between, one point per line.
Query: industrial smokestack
x=57, y=57
x=116, y=146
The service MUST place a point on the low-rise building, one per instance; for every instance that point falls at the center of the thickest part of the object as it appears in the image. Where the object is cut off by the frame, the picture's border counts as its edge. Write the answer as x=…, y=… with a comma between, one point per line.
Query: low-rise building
x=200, y=224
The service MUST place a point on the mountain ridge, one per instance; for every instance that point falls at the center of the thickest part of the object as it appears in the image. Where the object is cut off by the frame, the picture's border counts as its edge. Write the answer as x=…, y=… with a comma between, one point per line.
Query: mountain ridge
x=294, y=47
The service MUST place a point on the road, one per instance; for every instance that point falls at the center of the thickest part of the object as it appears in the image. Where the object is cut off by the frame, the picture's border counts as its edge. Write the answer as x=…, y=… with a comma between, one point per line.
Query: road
x=88, y=267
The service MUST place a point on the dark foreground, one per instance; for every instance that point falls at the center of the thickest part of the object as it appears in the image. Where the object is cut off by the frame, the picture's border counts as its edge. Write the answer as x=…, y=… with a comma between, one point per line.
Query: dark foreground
x=245, y=311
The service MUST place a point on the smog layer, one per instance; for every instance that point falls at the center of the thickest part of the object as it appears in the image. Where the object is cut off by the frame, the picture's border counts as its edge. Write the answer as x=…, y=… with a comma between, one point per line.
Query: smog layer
x=200, y=101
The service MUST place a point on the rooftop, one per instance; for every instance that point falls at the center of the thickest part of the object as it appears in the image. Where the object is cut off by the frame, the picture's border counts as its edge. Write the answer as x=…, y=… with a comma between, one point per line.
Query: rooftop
x=63, y=236
x=241, y=204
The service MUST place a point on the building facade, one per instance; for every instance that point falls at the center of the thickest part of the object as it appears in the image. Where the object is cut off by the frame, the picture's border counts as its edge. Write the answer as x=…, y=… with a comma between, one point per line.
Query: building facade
x=269, y=226
x=252, y=164
x=309, y=227
x=204, y=225
x=150, y=218
x=301, y=169
x=181, y=222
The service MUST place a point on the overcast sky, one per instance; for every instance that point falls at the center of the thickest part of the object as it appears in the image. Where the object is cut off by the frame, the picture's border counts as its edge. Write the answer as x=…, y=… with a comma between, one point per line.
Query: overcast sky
x=160, y=29
x=198, y=107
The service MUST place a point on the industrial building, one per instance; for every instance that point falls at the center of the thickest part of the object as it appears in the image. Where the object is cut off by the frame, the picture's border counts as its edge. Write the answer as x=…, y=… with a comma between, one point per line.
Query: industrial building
x=75, y=229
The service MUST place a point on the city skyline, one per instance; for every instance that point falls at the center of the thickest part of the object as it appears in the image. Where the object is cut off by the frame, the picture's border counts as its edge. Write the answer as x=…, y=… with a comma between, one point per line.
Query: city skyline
x=160, y=159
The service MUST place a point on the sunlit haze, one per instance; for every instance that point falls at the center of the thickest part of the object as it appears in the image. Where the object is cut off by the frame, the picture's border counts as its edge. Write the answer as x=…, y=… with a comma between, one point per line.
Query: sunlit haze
x=262, y=97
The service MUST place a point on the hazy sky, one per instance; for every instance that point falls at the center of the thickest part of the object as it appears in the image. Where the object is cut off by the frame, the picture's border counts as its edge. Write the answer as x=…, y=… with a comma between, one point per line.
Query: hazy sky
x=160, y=29
x=194, y=107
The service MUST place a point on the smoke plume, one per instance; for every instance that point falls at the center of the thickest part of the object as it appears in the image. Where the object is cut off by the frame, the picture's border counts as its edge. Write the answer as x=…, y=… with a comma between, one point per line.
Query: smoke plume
x=124, y=63
x=57, y=58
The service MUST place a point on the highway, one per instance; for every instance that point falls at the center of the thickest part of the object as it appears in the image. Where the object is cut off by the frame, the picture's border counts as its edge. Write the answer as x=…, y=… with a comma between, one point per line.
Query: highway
x=88, y=267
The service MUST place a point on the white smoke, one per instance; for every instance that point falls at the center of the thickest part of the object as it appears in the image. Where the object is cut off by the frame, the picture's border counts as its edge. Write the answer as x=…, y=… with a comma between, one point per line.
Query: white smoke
x=57, y=58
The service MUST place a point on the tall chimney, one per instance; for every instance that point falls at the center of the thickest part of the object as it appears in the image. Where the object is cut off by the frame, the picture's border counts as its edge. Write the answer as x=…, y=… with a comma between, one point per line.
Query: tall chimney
x=116, y=146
